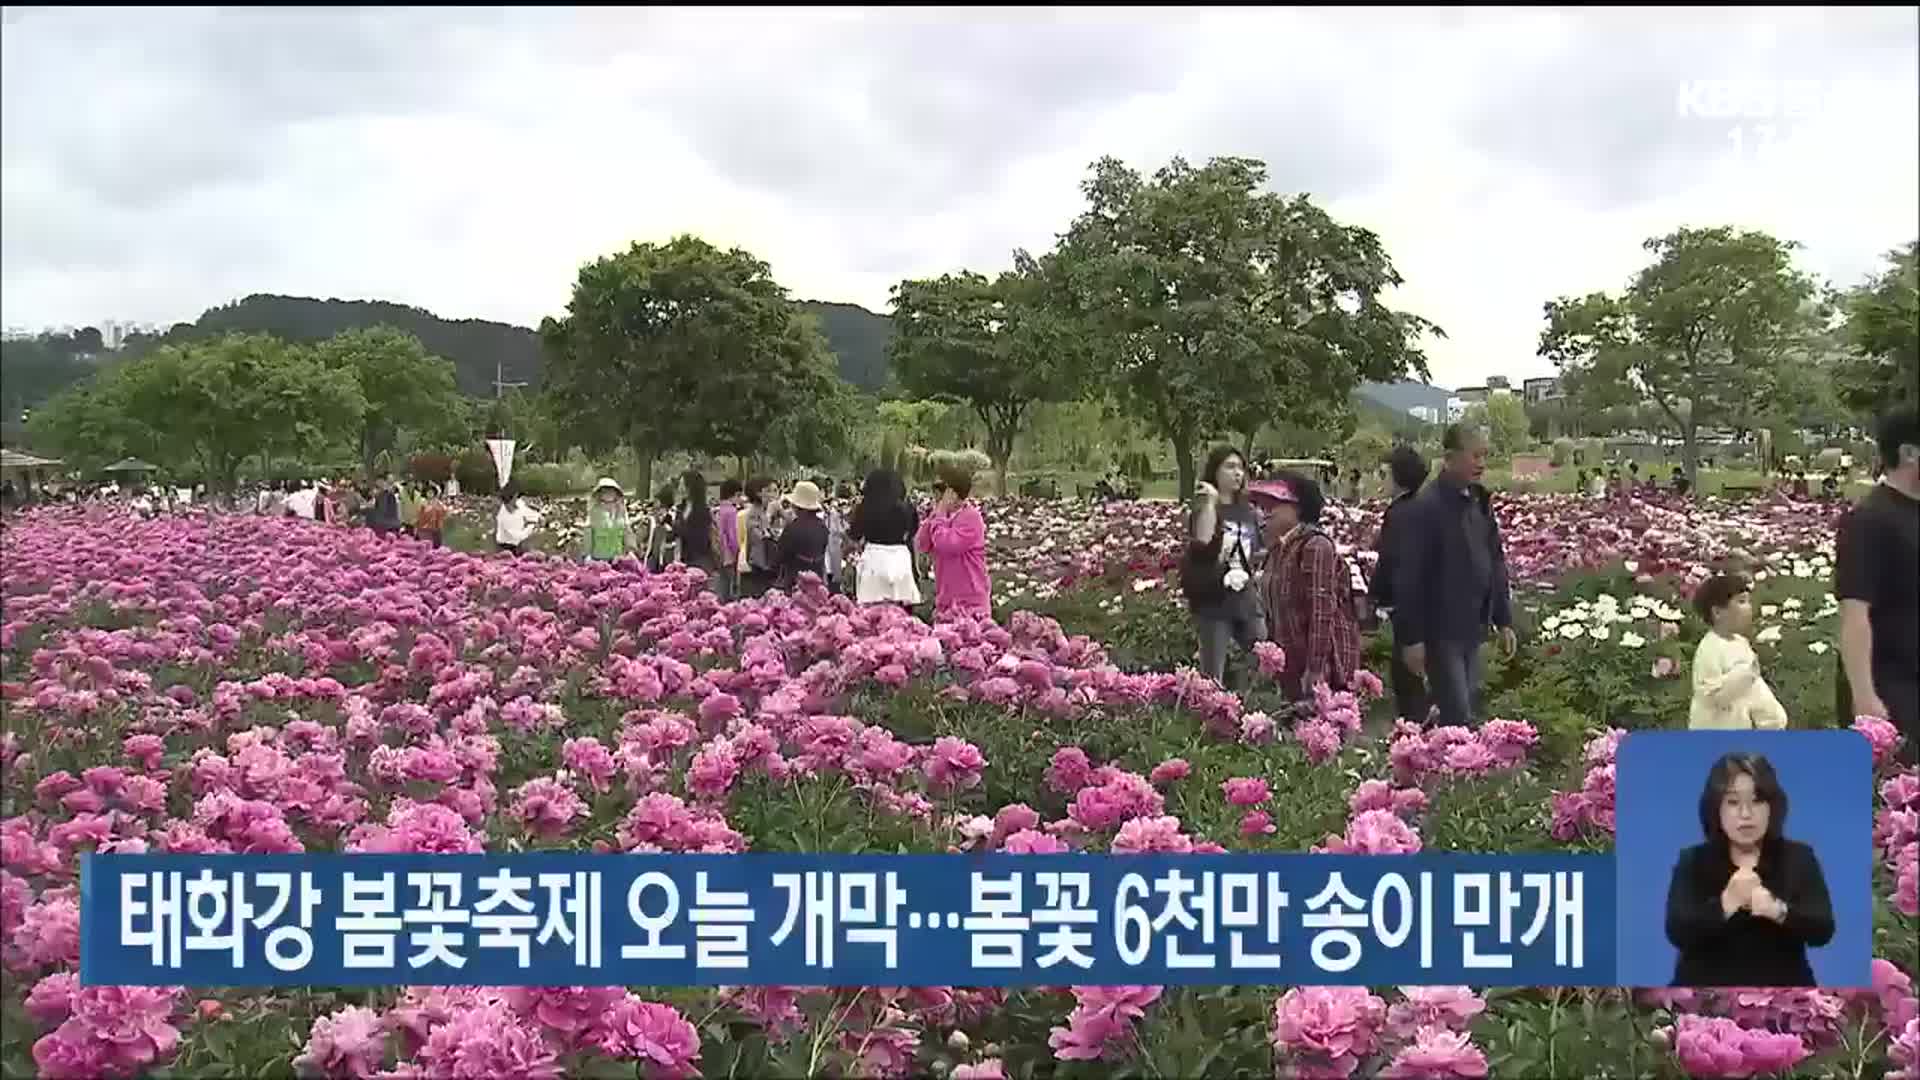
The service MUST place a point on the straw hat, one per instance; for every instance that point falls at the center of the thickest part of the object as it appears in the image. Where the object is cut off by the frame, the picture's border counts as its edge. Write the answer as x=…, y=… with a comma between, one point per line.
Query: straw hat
x=806, y=495
x=609, y=482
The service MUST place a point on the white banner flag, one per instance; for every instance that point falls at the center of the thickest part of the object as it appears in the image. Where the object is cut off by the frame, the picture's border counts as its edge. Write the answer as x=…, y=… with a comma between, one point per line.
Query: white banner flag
x=502, y=451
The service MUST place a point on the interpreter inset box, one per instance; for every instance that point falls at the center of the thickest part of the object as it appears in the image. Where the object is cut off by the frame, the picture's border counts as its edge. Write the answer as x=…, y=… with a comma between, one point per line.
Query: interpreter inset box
x=1744, y=858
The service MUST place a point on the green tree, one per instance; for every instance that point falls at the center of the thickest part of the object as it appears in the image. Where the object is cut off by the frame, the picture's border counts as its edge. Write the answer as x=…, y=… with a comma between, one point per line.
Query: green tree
x=1000, y=347
x=225, y=400
x=91, y=424
x=1366, y=447
x=404, y=387
x=1697, y=333
x=1505, y=419
x=681, y=346
x=1221, y=307
x=1883, y=333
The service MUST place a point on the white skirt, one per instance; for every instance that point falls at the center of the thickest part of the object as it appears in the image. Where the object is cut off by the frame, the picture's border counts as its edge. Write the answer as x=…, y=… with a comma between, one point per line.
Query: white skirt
x=886, y=575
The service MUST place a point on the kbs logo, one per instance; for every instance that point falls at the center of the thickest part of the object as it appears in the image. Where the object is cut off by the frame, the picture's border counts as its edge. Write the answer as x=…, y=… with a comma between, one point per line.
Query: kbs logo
x=1763, y=99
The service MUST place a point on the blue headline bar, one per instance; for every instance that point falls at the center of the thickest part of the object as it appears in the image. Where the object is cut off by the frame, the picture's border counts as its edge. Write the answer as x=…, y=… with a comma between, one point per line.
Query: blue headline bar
x=558, y=919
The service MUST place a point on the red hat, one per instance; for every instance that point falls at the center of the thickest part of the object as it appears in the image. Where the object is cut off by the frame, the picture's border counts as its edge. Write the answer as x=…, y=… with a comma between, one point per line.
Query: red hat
x=1275, y=490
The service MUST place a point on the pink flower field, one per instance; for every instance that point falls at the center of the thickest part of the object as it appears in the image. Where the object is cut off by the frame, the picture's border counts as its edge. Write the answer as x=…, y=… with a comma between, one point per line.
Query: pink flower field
x=238, y=684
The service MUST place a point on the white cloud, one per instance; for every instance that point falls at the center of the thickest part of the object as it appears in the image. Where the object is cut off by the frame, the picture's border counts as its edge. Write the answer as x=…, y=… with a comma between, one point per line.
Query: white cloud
x=468, y=161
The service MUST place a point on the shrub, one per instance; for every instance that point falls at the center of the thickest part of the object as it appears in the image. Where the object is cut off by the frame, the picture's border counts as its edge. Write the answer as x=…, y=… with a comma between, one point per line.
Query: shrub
x=475, y=472
x=551, y=479
x=1562, y=451
x=430, y=468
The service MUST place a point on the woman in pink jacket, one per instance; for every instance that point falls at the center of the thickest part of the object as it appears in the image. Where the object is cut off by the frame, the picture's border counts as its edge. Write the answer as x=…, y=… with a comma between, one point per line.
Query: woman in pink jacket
x=956, y=536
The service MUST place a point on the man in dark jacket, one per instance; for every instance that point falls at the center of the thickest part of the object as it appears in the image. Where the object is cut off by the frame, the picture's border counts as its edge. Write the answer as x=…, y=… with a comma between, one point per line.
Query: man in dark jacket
x=1408, y=470
x=384, y=517
x=1450, y=579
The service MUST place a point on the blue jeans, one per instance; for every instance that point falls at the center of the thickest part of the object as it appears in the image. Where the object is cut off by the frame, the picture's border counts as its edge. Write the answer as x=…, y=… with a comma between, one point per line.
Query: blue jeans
x=1453, y=680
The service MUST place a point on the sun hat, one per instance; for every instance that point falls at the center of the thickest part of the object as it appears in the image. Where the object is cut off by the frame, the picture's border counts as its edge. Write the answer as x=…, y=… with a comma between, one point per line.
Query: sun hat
x=805, y=495
x=608, y=482
x=1274, y=490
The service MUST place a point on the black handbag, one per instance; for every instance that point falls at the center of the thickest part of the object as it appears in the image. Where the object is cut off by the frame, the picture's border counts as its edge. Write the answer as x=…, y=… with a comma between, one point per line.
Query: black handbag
x=1203, y=573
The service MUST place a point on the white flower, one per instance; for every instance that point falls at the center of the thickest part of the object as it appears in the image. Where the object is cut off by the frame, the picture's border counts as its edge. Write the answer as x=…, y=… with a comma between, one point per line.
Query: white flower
x=1631, y=640
x=1572, y=630
x=1790, y=615
x=1144, y=584
x=1790, y=602
x=1667, y=613
x=1632, y=566
x=1601, y=633
x=1552, y=624
x=1768, y=611
x=1768, y=636
x=1817, y=648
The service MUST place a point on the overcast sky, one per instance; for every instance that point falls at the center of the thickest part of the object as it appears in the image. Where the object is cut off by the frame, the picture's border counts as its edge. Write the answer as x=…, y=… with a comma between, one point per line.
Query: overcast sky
x=160, y=162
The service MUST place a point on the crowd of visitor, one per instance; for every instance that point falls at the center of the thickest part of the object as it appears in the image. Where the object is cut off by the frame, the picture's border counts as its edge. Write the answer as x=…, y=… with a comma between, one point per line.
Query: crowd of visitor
x=1258, y=567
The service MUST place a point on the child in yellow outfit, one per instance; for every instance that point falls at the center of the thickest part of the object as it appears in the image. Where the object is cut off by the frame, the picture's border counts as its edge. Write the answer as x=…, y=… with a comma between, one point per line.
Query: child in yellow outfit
x=1728, y=690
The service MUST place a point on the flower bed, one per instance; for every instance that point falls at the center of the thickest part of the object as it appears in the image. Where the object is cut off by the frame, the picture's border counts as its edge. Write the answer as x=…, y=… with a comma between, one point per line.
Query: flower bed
x=249, y=685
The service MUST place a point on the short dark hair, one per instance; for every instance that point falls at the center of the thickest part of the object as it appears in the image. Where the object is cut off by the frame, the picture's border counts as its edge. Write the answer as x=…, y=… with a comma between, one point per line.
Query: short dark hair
x=1718, y=591
x=1766, y=788
x=1898, y=428
x=1456, y=436
x=729, y=488
x=960, y=481
x=1407, y=467
x=756, y=489
x=1307, y=496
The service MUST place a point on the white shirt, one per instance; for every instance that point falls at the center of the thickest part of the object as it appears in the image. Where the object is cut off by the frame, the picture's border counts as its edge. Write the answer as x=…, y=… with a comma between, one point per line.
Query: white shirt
x=1728, y=691
x=302, y=502
x=514, y=524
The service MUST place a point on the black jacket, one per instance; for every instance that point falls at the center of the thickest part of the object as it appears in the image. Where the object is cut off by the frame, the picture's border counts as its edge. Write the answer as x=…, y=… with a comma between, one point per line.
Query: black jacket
x=802, y=549
x=1745, y=949
x=1380, y=585
x=1450, y=574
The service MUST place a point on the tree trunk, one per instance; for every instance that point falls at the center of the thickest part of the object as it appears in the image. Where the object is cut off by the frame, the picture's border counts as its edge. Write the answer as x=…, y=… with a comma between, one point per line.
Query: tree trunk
x=1000, y=452
x=1690, y=456
x=1185, y=469
x=646, y=457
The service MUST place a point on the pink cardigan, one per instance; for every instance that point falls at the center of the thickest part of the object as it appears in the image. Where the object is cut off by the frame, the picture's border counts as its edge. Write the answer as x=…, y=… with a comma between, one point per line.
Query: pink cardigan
x=958, y=543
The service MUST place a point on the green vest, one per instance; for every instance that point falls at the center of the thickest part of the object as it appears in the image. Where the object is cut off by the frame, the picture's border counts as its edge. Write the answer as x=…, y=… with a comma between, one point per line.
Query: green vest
x=606, y=534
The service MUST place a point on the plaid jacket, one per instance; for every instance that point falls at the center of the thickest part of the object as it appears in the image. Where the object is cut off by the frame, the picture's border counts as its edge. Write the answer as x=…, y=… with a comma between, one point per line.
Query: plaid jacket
x=1309, y=597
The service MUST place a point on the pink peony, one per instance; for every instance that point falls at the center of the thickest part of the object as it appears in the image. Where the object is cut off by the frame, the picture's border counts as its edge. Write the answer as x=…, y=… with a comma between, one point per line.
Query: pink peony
x=1882, y=736
x=1151, y=834
x=656, y=1034
x=1271, y=658
x=351, y=1042
x=1327, y=1030
x=1719, y=1047
x=1256, y=823
x=1169, y=771
x=954, y=764
x=1069, y=771
x=1245, y=791
x=1437, y=1054
x=1374, y=832
x=986, y=1069
x=1450, y=1008
x=1029, y=842
x=1320, y=739
x=547, y=807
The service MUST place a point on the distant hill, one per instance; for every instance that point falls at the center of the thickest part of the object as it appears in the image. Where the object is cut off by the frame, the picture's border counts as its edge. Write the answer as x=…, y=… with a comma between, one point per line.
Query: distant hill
x=475, y=346
x=1406, y=394
x=35, y=369
x=858, y=339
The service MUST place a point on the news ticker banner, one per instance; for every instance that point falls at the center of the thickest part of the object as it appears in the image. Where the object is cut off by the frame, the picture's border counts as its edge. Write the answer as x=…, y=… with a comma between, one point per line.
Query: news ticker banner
x=564, y=919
